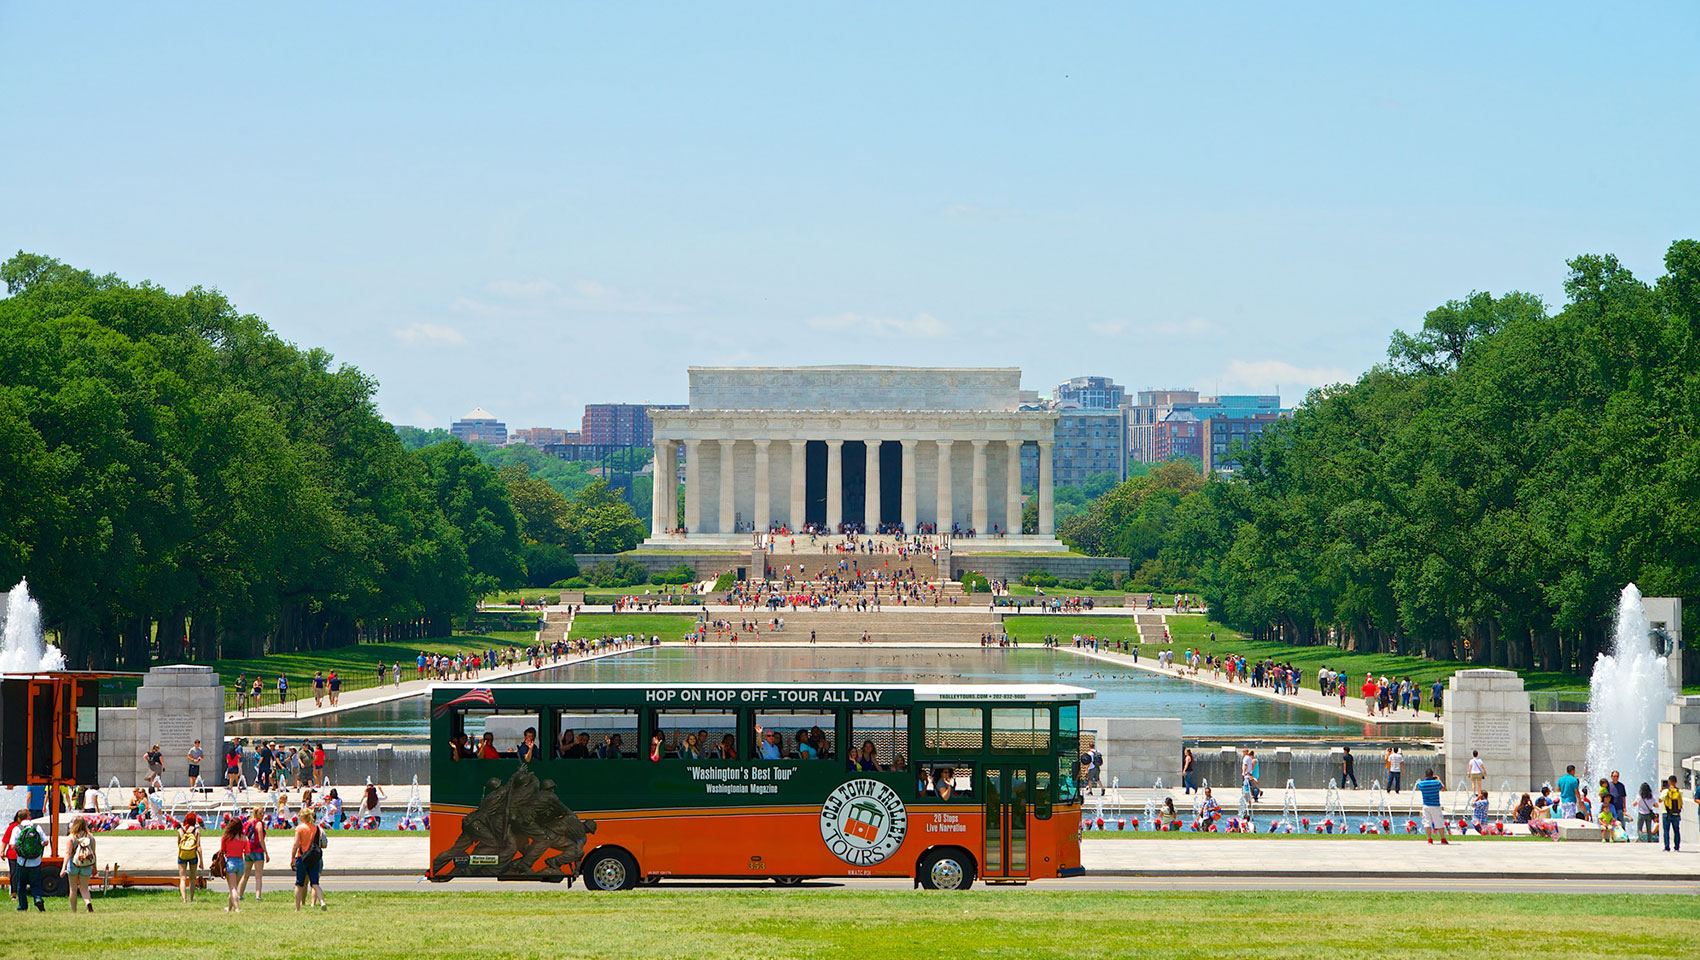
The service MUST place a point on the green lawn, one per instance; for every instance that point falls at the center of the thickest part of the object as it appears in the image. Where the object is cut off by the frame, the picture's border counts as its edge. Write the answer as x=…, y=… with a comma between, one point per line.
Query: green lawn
x=670, y=626
x=1022, y=590
x=1263, y=823
x=1194, y=631
x=528, y=594
x=822, y=925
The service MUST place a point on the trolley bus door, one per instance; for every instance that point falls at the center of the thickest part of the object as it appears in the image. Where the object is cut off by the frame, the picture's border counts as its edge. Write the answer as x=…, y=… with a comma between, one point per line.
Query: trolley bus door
x=1004, y=854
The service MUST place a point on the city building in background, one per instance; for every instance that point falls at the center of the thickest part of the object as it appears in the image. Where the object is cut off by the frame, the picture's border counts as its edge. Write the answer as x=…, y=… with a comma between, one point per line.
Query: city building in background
x=542, y=436
x=1150, y=406
x=1091, y=393
x=1227, y=434
x=480, y=426
x=620, y=424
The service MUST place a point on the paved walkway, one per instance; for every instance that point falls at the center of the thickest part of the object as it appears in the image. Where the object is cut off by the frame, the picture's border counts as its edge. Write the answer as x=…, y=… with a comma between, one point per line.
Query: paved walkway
x=1313, y=699
x=1172, y=856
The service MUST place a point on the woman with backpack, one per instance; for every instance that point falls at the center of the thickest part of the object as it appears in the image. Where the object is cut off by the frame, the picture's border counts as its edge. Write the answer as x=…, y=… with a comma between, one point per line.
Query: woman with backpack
x=254, y=855
x=188, y=855
x=79, y=862
x=233, y=861
x=307, y=856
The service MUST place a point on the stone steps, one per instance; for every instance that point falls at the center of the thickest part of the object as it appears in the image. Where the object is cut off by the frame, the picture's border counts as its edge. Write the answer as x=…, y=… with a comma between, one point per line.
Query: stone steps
x=923, y=626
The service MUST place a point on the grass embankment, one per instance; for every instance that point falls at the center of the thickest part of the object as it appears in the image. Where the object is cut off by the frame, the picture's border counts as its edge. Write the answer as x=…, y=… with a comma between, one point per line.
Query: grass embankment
x=671, y=627
x=357, y=665
x=868, y=925
x=1194, y=631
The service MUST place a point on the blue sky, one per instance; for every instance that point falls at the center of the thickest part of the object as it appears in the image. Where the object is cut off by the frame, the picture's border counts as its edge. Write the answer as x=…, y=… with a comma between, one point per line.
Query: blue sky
x=531, y=207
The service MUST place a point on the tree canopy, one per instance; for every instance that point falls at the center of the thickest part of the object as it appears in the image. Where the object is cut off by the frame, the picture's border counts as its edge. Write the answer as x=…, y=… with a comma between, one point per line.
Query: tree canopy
x=1486, y=492
x=171, y=466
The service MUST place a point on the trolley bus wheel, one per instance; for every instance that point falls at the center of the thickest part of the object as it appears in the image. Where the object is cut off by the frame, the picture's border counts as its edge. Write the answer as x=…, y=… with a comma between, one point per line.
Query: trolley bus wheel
x=947, y=869
x=610, y=869
x=788, y=881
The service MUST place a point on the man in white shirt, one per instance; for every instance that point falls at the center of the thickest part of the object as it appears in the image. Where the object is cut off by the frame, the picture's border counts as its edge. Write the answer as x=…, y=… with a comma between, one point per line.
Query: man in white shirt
x=1395, y=768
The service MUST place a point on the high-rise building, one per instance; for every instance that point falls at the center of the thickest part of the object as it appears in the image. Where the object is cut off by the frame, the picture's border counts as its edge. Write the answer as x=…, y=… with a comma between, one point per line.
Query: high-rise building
x=480, y=426
x=620, y=424
x=1149, y=407
x=1091, y=393
x=1228, y=433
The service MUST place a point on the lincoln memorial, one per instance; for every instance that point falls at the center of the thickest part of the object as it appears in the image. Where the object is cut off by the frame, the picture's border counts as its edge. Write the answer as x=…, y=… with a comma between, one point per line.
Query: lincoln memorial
x=920, y=449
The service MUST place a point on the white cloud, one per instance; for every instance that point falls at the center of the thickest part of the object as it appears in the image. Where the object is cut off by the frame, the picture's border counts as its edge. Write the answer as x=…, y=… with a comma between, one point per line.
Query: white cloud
x=428, y=333
x=1109, y=328
x=923, y=326
x=1268, y=376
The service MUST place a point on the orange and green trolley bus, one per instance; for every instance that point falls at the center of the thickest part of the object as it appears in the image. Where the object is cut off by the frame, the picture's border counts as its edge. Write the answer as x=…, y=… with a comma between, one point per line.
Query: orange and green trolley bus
x=627, y=784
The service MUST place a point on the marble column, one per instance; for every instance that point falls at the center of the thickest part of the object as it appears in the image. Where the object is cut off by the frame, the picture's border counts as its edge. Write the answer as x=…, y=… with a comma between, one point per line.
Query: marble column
x=910, y=513
x=693, y=486
x=981, y=527
x=799, y=483
x=658, y=489
x=728, y=513
x=834, y=484
x=1012, y=490
x=871, y=488
x=1047, y=518
x=946, y=508
x=764, y=507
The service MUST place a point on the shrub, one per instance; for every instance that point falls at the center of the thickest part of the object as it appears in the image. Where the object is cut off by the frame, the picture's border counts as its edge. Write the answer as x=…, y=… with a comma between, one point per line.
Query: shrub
x=678, y=575
x=1102, y=580
x=574, y=583
x=975, y=583
x=725, y=581
x=1071, y=583
x=1039, y=578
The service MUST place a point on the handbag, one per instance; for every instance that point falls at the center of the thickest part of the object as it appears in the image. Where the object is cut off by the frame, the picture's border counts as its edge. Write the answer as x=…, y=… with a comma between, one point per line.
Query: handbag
x=218, y=866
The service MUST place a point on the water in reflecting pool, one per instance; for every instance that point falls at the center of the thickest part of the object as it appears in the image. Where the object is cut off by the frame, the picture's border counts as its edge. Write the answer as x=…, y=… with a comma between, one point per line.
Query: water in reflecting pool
x=1206, y=712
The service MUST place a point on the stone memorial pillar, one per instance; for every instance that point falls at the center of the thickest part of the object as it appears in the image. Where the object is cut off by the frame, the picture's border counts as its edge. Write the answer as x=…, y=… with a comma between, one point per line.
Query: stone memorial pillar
x=175, y=705
x=1012, y=490
x=693, y=486
x=799, y=483
x=728, y=512
x=763, y=508
x=981, y=527
x=946, y=509
x=834, y=485
x=1487, y=711
x=871, y=489
x=911, y=514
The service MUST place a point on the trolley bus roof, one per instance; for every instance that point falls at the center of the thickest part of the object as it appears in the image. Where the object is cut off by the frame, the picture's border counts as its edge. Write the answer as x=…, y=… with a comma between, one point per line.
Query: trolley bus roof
x=921, y=692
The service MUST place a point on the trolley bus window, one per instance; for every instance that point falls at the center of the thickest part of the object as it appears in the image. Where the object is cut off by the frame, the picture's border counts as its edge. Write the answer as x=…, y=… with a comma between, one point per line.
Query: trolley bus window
x=946, y=781
x=490, y=734
x=801, y=735
x=602, y=733
x=953, y=730
x=1021, y=729
x=879, y=740
x=1041, y=794
x=694, y=734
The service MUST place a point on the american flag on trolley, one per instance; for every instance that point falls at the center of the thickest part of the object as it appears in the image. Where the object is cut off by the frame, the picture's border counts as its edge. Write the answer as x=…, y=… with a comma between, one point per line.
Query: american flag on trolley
x=480, y=695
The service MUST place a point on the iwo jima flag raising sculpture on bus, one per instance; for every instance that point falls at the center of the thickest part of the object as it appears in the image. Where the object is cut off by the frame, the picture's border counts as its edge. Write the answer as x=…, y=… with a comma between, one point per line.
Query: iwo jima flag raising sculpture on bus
x=515, y=824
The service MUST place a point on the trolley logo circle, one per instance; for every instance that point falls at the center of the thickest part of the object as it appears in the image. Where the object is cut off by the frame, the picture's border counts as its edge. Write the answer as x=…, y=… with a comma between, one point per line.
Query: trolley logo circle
x=863, y=822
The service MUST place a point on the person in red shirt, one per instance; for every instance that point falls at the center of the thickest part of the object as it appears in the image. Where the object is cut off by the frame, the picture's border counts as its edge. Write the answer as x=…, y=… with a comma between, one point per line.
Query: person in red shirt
x=1370, y=692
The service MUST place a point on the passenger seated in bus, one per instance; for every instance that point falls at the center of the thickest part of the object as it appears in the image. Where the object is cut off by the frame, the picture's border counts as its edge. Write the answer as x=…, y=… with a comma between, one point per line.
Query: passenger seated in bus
x=580, y=750
x=565, y=744
x=770, y=744
x=805, y=749
x=657, y=745
x=817, y=739
x=487, y=747
x=866, y=759
x=728, y=748
x=611, y=748
x=688, y=748
x=458, y=749
x=944, y=783
x=705, y=750
x=528, y=750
